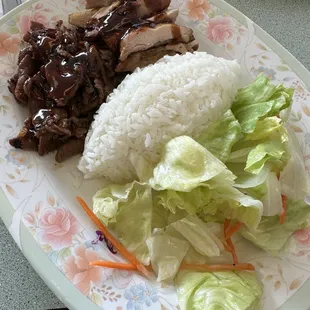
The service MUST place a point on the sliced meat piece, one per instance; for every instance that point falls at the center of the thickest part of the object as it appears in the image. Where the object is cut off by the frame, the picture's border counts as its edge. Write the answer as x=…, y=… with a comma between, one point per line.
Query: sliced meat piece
x=92, y=4
x=19, y=91
x=69, y=149
x=143, y=59
x=26, y=139
x=80, y=19
x=12, y=83
x=152, y=55
x=49, y=142
x=26, y=51
x=183, y=48
x=64, y=78
x=28, y=66
x=148, y=8
x=143, y=38
x=165, y=17
x=34, y=26
x=106, y=10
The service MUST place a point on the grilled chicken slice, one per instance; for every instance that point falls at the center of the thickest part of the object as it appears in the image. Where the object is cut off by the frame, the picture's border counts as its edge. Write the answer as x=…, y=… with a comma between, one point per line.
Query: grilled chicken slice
x=104, y=11
x=152, y=55
x=165, y=17
x=144, y=38
x=96, y=4
x=80, y=19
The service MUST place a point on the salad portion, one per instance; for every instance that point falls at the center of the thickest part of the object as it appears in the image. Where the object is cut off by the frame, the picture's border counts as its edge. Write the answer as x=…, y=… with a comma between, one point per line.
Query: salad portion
x=244, y=174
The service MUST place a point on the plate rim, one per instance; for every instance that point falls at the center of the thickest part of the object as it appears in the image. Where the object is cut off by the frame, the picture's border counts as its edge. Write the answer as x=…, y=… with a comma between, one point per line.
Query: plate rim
x=56, y=281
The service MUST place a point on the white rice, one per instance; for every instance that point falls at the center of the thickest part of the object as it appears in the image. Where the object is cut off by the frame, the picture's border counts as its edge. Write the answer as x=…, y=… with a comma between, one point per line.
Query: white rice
x=180, y=95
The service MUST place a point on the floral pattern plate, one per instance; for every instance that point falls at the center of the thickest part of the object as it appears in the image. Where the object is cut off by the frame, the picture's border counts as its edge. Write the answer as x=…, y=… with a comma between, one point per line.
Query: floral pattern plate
x=37, y=195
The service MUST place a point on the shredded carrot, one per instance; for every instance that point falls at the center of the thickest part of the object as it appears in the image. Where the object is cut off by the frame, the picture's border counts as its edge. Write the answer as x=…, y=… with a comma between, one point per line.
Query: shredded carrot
x=226, y=225
x=206, y=268
x=284, y=207
x=229, y=242
x=233, y=251
x=232, y=230
x=130, y=257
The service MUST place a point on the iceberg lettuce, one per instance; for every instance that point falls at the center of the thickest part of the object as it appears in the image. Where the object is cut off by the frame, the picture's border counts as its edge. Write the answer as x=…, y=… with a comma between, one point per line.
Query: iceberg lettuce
x=228, y=202
x=200, y=235
x=184, y=166
x=221, y=135
x=166, y=253
x=271, y=236
x=294, y=179
x=259, y=100
x=219, y=290
x=127, y=210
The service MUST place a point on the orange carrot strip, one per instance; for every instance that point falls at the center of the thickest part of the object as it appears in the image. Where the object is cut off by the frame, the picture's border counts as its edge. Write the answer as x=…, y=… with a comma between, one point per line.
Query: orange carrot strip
x=233, y=251
x=197, y=267
x=232, y=230
x=229, y=242
x=284, y=208
x=113, y=240
x=226, y=226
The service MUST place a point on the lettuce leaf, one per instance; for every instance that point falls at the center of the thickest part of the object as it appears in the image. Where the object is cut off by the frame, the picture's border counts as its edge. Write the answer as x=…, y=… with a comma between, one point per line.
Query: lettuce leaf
x=294, y=179
x=266, y=145
x=259, y=100
x=200, y=235
x=107, y=202
x=273, y=152
x=185, y=165
x=167, y=253
x=143, y=169
x=233, y=204
x=264, y=129
x=221, y=135
x=127, y=210
x=219, y=290
x=192, y=202
x=272, y=200
x=271, y=236
x=247, y=180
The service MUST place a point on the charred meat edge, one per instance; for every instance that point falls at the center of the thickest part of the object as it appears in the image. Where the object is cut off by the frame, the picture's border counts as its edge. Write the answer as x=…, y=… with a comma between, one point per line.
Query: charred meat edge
x=169, y=16
x=80, y=19
x=143, y=38
x=95, y=4
x=151, y=56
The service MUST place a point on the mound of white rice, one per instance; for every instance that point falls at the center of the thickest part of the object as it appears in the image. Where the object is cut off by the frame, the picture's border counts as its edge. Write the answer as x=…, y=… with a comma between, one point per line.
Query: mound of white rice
x=180, y=95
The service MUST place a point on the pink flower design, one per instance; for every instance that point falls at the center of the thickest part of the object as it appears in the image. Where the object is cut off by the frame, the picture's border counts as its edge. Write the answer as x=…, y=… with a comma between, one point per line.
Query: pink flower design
x=30, y=218
x=77, y=269
x=8, y=44
x=221, y=29
x=58, y=227
x=302, y=236
x=27, y=17
x=197, y=9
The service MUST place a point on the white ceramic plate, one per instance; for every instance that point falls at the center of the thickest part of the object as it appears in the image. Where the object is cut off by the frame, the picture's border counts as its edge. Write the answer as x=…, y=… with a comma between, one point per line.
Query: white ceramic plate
x=37, y=196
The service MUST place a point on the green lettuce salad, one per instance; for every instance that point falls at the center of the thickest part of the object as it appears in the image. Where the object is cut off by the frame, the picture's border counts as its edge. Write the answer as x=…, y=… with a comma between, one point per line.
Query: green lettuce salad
x=239, y=169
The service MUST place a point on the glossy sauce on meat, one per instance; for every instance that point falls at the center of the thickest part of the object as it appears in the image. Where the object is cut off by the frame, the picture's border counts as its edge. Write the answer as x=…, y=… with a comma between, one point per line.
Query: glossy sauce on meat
x=64, y=75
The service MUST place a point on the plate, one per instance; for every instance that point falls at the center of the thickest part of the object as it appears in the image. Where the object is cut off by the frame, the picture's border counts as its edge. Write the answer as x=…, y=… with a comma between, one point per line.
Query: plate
x=34, y=189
